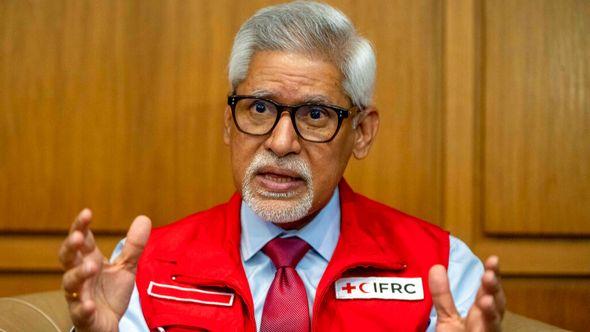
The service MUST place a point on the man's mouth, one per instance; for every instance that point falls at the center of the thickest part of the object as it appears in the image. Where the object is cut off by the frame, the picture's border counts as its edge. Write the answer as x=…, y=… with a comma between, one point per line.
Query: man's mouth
x=272, y=179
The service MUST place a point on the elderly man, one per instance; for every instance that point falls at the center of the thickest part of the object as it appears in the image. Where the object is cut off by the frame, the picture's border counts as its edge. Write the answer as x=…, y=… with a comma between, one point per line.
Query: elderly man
x=295, y=249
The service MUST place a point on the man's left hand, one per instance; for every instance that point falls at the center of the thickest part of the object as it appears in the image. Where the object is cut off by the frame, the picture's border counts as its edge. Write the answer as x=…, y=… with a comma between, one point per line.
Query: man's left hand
x=487, y=310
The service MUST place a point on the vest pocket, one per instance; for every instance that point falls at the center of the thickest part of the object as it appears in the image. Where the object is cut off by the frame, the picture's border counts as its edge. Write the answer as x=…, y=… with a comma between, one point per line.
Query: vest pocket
x=181, y=307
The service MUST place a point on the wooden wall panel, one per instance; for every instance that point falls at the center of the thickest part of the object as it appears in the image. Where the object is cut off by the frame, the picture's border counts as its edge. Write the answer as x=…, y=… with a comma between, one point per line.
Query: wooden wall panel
x=39, y=252
x=15, y=283
x=467, y=146
x=559, y=301
x=404, y=167
x=460, y=89
x=537, y=117
x=515, y=154
x=117, y=106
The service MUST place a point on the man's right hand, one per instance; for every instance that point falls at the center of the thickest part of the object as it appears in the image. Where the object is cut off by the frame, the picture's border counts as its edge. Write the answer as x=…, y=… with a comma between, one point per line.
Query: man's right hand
x=98, y=291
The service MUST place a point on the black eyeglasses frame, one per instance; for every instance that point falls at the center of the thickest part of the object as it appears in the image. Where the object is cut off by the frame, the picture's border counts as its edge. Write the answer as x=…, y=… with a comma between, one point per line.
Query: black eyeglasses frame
x=232, y=101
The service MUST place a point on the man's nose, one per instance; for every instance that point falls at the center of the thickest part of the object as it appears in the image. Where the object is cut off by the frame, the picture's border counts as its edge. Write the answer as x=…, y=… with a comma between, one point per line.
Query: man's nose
x=283, y=139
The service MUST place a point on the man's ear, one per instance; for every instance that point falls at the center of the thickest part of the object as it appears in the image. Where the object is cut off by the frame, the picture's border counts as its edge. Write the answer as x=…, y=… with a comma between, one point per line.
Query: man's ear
x=227, y=123
x=365, y=131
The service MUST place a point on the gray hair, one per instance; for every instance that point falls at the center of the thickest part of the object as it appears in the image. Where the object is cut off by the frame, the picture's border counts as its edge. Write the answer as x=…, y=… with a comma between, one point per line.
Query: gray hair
x=313, y=29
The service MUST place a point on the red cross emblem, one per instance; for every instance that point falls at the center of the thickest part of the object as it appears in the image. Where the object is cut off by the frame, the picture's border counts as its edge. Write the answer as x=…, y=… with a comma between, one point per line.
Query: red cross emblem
x=348, y=288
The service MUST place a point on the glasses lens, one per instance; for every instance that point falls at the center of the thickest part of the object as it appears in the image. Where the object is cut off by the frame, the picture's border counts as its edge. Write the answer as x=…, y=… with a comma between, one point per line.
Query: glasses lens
x=255, y=116
x=316, y=123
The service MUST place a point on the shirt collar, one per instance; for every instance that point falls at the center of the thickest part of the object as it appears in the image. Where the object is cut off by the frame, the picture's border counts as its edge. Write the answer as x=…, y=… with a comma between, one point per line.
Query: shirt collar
x=321, y=233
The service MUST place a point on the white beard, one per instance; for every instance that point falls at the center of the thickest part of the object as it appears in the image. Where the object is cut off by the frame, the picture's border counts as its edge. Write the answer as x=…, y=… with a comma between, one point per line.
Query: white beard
x=278, y=207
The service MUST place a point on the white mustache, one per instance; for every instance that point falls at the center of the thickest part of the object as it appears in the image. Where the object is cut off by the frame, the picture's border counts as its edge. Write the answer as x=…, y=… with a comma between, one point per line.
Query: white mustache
x=291, y=163
x=264, y=203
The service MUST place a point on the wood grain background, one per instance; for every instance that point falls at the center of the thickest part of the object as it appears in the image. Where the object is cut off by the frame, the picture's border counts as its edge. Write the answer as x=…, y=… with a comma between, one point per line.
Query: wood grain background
x=485, y=108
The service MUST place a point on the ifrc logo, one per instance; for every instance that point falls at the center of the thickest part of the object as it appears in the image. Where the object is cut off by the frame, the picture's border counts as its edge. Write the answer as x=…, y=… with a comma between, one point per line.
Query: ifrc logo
x=409, y=289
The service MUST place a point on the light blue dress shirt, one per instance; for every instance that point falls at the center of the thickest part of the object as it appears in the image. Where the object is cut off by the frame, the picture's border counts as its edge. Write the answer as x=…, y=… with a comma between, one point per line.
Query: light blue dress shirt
x=322, y=233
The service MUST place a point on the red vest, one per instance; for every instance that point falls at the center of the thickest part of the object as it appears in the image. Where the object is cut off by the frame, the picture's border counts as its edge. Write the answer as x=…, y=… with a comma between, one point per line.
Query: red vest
x=190, y=276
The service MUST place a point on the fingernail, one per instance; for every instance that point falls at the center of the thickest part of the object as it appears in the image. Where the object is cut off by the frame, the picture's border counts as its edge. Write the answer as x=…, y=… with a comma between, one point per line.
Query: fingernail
x=86, y=213
x=73, y=237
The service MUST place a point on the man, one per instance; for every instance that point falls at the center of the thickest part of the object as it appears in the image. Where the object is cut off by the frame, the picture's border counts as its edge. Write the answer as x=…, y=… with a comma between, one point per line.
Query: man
x=295, y=248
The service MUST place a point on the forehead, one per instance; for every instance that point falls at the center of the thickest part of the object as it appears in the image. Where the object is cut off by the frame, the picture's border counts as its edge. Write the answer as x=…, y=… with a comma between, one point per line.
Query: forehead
x=292, y=78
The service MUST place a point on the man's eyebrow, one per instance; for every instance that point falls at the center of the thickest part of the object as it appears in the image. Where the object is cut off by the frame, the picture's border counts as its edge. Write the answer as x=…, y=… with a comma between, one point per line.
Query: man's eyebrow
x=308, y=99
x=319, y=99
x=262, y=94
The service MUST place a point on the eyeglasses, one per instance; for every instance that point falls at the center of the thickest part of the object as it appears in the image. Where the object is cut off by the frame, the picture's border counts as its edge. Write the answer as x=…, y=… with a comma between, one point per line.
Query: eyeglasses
x=312, y=122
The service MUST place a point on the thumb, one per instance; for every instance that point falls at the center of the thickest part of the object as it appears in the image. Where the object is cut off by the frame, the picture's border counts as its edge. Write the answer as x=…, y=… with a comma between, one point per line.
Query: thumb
x=137, y=237
x=438, y=281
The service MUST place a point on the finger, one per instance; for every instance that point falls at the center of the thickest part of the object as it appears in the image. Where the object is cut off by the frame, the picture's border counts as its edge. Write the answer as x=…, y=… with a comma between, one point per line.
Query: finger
x=137, y=237
x=82, y=220
x=442, y=299
x=487, y=306
x=69, y=254
x=489, y=312
x=73, y=280
x=74, y=247
x=82, y=313
x=491, y=283
x=493, y=263
x=490, y=264
x=88, y=245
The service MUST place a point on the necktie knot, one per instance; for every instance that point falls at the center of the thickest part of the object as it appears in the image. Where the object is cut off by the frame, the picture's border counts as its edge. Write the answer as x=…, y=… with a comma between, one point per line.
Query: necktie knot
x=286, y=252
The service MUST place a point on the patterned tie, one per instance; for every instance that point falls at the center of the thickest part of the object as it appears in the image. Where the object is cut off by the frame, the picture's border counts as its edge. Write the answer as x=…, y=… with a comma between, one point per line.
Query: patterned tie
x=285, y=307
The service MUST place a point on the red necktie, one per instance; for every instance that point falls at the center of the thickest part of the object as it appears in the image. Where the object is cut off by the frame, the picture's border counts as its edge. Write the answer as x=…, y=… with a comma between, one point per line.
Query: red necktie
x=285, y=307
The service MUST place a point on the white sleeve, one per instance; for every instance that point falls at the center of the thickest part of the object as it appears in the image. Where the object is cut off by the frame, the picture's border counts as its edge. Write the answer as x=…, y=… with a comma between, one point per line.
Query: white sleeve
x=132, y=319
x=465, y=272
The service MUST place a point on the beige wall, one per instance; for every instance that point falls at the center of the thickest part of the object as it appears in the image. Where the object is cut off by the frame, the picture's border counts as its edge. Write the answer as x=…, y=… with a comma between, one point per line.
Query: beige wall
x=117, y=105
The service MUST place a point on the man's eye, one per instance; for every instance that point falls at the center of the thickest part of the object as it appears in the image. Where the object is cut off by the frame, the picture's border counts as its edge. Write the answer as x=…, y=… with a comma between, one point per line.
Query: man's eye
x=317, y=113
x=259, y=107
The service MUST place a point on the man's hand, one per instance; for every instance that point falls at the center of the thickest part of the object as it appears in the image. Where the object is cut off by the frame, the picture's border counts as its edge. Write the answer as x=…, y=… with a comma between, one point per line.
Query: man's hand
x=487, y=310
x=97, y=291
